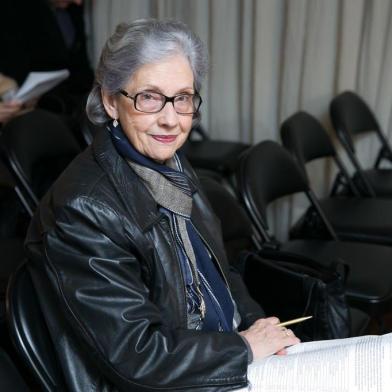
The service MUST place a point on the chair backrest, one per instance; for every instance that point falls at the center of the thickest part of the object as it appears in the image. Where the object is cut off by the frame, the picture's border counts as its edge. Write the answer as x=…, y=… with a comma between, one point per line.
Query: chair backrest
x=198, y=133
x=9, y=190
x=237, y=228
x=351, y=115
x=29, y=331
x=38, y=146
x=305, y=137
x=266, y=173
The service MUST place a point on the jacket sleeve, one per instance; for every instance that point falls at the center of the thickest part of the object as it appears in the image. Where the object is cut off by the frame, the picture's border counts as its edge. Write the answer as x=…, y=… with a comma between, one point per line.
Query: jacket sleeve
x=97, y=272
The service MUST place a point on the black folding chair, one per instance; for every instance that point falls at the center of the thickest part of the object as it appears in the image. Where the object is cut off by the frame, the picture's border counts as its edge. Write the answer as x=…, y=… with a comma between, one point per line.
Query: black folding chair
x=239, y=235
x=30, y=333
x=351, y=117
x=268, y=172
x=37, y=146
x=353, y=218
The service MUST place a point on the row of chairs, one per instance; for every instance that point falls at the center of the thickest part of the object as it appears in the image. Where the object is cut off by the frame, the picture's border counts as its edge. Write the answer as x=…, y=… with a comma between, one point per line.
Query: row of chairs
x=268, y=172
x=350, y=225
x=351, y=117
x=353, y=217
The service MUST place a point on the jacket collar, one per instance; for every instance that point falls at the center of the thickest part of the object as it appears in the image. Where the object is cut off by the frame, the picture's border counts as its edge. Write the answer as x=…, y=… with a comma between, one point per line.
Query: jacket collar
x=125, y=181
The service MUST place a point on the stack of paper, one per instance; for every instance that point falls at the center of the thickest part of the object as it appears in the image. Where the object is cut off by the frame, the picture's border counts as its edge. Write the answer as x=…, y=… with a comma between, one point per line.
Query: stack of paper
x=38, y=83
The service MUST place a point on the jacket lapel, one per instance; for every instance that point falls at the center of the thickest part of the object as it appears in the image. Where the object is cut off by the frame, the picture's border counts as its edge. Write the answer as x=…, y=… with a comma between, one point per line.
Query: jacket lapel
x=125, y=181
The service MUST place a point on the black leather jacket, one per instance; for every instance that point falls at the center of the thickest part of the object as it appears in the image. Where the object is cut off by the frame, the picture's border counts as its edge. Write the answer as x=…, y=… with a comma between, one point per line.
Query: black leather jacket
x=105, y=267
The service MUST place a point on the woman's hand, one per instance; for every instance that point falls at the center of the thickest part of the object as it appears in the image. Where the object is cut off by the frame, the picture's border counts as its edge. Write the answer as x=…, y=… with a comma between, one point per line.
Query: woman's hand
x=265, y=338
x=9, y=110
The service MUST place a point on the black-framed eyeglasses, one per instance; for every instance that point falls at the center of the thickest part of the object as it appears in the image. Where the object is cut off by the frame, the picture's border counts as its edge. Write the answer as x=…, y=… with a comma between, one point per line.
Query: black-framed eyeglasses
x=153, y=102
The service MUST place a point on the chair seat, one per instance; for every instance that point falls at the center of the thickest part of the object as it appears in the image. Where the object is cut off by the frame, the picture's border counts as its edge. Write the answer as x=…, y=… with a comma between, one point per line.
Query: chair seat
x=214, y=155
x=379, y=179
x=360, y=219
x=354, y=219
x=369, y=282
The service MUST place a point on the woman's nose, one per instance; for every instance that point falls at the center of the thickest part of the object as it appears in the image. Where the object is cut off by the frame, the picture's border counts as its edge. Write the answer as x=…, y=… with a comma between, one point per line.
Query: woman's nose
x=168, y=116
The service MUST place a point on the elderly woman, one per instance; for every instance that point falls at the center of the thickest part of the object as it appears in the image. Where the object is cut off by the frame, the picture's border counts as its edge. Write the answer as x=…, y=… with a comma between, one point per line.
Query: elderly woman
x=125, y=251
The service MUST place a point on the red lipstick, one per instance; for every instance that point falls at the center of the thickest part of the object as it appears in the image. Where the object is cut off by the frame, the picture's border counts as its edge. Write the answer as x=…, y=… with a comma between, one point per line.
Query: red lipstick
x=165, y=138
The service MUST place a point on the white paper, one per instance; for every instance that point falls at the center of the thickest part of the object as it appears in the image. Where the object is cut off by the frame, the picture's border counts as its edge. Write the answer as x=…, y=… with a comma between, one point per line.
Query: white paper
x=361, y=364
x=38, y=83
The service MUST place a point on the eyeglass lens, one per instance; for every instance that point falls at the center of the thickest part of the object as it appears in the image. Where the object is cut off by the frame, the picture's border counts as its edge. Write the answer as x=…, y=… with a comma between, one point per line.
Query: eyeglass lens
x=154, y=102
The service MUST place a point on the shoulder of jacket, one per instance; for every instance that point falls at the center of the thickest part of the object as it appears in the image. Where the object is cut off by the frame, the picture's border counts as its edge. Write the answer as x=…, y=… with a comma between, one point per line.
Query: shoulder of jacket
x=83, y=178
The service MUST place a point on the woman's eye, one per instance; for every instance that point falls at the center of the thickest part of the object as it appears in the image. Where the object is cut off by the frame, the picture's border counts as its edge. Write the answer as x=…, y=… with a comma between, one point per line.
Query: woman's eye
x=147, y=96
x=183, y=98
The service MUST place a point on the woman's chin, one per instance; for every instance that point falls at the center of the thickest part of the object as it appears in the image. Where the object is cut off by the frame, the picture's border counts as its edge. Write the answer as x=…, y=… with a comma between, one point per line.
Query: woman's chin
x=161, y=152
x=162, y=156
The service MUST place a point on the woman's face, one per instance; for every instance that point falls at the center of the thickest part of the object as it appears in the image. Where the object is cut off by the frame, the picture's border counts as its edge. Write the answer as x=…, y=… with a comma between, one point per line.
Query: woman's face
x=155, y=135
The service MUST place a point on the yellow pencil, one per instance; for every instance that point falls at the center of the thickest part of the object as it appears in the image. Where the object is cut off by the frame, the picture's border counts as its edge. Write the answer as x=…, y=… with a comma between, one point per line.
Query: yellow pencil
x=294, y=321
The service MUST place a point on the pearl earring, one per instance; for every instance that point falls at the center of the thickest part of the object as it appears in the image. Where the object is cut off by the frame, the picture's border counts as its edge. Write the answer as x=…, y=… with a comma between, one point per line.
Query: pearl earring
x=115, y=123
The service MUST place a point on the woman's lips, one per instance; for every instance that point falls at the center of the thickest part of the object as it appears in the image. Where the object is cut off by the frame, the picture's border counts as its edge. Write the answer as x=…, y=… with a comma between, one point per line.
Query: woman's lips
x=164, y=138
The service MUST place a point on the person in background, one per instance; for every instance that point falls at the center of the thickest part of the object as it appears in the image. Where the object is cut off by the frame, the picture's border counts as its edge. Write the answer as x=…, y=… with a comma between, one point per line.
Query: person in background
x=125, y=250
x=47, y=35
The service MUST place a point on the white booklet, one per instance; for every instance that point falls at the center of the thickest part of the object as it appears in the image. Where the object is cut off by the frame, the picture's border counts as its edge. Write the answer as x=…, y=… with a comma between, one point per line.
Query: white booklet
x=38, y=83
x=360, y=364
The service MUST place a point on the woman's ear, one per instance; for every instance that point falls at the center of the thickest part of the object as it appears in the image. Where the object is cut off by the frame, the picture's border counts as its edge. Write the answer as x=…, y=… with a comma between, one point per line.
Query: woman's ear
x=110, y=104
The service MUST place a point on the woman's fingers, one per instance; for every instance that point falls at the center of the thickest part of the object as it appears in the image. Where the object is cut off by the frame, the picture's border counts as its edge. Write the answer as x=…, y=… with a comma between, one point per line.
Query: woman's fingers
x=266, y=321
x=265, y=337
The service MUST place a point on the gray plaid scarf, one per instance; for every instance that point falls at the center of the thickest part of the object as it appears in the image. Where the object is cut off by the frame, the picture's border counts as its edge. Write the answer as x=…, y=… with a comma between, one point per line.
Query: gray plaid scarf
x=179, y=203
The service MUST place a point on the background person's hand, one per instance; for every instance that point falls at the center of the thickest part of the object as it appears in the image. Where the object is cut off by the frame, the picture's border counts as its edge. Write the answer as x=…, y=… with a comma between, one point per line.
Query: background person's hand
x=9, y=110
x=265, y=338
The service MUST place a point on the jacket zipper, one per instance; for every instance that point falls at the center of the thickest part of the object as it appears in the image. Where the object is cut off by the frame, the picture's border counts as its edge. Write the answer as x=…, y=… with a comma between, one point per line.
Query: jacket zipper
x=165, y=221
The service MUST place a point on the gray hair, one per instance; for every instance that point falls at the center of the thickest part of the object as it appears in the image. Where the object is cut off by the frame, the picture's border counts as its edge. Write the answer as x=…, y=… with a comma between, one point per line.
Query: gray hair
x=135, y=44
